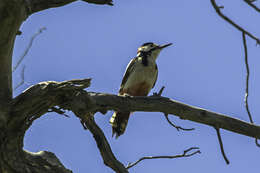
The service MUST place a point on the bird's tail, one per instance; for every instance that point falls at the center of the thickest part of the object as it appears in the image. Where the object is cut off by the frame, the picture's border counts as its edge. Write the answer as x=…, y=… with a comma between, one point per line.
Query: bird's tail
x=119, y=122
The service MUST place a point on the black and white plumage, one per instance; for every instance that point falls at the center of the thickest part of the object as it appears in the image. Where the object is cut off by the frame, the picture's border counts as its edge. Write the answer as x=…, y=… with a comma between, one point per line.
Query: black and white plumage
x=139, y=78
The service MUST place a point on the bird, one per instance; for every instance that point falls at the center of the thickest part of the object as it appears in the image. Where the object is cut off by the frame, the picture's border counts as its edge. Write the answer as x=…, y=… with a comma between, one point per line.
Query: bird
x=139, y=78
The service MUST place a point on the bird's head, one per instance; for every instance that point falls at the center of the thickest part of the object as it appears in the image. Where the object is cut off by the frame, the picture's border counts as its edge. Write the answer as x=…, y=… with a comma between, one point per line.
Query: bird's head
x=151, y=49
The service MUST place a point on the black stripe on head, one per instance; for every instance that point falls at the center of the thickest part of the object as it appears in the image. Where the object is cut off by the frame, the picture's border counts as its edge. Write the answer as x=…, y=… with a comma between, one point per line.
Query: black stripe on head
x=148, y=43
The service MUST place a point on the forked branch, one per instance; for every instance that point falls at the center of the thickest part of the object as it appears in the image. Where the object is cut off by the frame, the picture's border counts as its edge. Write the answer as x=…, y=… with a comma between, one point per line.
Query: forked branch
x=218, y=10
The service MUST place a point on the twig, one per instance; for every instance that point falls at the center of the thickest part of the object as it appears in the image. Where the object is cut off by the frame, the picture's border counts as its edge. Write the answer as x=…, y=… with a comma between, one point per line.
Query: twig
x=159, y=93
x=178, y=128
x=221, y=146
x=247, y=78
x=130, y=165
x=247, y=83
x=250, y=3
x=22, y=79
x=232, y=22
x=28, y=48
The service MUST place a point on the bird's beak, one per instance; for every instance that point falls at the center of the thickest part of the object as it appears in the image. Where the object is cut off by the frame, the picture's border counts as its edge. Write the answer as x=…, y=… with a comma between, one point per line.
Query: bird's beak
x=164, y=45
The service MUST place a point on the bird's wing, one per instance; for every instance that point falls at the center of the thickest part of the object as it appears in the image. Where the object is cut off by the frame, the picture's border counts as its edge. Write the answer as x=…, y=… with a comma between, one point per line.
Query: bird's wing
x=156, y=75
x=128, y=71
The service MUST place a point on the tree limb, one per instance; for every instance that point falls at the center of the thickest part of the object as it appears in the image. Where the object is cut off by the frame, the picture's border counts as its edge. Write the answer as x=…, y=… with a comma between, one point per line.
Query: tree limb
x=103, y=146
x=217, y=8
x=34, y=6
x=69, y=95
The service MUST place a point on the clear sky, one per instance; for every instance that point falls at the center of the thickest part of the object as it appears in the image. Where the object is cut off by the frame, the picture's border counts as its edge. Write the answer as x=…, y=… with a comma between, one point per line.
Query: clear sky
x=204, y=68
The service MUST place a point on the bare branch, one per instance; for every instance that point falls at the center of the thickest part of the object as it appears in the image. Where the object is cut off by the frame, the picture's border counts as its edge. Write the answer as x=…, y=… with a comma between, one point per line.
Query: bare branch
x=247, y=84
x=177, y=127
x=34, y=6
x=232, y=22
x=69, y=95
x=28, y=48
x=221, y=146
x=250, y=3
x=185, y=154
x=103, y=145
x=247, y=78
x=22, y=79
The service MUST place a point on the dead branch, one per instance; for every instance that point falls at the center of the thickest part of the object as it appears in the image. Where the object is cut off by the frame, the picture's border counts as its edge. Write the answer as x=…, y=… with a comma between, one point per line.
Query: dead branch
x=28, y=48
x=69, y=95
x=185, y=154
x=247, y=78
x=103, y=145
x=251, y=4
x=247, y=84
x=217, y=8
x=22, y=79
x=177, y=127
x=221, y=146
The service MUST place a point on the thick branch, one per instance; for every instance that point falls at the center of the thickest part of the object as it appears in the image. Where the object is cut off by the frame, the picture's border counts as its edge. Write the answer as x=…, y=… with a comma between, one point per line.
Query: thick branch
x=65, y=94
x=44, y=162
x=104, y=147
x=69, y=95
x=34, y=6
x=12, y=15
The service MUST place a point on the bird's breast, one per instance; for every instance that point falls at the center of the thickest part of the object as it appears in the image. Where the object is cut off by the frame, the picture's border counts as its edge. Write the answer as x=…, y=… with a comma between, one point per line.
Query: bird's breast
x=141, y=80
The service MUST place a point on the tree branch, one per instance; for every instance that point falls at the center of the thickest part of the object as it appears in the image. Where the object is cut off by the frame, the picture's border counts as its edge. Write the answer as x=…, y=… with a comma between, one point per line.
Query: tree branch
x=213, y=2
x=69, y=95
x=103, y=146
x=221, y=146
x=34, y=6
x=177, y=127
x=250, y=3
x=22, y=79
x=247, y=83
x=185, y=154
x=28, y=48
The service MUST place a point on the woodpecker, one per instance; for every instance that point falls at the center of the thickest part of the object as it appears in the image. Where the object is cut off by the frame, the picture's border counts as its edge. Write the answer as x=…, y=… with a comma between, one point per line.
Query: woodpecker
x=139, y=78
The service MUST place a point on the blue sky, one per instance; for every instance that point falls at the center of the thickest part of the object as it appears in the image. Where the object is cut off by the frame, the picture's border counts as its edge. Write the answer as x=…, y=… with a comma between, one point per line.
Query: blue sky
x=204, y=68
